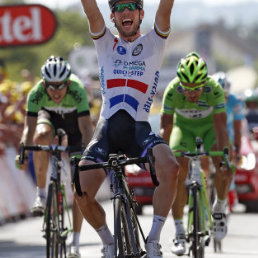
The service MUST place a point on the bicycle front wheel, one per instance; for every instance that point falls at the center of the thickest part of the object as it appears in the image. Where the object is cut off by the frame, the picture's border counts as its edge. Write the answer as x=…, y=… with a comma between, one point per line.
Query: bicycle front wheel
x=197, y=245
x=122, y=237
x=56, y=247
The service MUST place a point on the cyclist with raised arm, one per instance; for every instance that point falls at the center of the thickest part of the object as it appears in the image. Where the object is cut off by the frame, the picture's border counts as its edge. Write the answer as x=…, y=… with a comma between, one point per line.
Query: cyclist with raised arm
x=194, y=105
x=58, y=100
x=129, y=73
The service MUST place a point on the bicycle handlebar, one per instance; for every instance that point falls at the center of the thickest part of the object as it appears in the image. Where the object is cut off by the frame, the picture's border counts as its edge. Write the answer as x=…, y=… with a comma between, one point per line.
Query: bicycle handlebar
x=225, y=154
x=115, y=161
x=48, y=148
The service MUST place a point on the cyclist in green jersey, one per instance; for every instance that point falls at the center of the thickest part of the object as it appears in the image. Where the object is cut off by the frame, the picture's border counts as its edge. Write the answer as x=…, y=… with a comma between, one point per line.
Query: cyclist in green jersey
x=58, y=100
x=194, y=105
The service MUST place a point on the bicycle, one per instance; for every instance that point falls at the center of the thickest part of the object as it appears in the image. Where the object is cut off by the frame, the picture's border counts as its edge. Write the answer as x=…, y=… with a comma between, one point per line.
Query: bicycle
x=199, y=220
x=54, y=227
x=127, y=228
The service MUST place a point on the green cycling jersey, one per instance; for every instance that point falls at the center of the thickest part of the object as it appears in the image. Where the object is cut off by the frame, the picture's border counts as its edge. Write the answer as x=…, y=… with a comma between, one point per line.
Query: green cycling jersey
x=211, y=101
x=191, y=119
x=75, y=99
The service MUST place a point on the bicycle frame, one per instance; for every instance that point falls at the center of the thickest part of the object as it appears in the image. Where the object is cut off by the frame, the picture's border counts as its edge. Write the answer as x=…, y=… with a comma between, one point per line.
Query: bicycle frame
x=53, y=224
x=199, y=221
x=126, y=223
x=121, y=192
x=198, y=199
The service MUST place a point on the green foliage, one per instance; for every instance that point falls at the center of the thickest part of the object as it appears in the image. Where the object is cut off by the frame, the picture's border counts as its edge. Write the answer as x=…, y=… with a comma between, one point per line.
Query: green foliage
x=72, y=30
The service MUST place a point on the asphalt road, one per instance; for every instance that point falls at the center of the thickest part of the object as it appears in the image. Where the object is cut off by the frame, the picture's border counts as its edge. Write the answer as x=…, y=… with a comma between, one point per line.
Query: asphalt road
x=23, y=239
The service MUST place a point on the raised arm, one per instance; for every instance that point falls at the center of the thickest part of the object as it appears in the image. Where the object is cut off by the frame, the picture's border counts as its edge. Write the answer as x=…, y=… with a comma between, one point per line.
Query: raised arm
x=95, y=18
x=162, y=18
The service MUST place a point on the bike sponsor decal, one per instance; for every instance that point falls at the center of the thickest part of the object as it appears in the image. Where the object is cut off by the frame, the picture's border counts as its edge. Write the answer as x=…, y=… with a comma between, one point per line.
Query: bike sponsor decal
x=138, y=49
x=121, y=50
x=26, y=25
x=153, y=91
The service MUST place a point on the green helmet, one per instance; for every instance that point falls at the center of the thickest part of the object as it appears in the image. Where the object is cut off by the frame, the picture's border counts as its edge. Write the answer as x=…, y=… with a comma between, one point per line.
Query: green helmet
x=192, y=69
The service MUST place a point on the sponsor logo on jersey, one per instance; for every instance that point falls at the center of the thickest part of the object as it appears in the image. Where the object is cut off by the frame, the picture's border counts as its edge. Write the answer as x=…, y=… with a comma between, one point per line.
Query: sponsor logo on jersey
x=149, y=101
x=138, y=49
x=121, y=50
x=207, y=89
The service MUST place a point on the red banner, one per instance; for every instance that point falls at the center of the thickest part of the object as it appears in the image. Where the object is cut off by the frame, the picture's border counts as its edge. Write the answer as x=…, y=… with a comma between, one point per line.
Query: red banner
x=26, y=25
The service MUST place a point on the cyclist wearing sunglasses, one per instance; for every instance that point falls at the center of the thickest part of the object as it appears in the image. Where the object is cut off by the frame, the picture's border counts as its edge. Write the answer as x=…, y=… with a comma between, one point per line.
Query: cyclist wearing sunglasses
x=58, y=100
x=129, y=73
x=194, y=105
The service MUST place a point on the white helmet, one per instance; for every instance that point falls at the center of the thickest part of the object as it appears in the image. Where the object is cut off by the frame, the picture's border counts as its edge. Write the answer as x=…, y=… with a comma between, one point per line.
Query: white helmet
x=55, y=69
x=222, y=79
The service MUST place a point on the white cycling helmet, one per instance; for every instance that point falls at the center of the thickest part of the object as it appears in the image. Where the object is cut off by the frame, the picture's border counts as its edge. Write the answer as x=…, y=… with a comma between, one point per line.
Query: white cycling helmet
x=222, y=79
x=55, y=69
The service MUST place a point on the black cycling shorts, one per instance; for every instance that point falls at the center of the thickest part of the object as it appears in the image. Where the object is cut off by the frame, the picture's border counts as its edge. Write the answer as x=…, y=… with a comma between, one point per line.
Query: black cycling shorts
x=68, y=122
x=121, y=133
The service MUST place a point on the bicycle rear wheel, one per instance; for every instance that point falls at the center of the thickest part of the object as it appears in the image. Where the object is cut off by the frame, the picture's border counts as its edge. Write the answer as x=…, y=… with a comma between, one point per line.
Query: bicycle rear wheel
x=56, y=247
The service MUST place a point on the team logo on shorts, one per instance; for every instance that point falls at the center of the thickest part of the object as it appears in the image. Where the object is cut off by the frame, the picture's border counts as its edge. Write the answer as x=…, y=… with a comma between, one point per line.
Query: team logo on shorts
x=121, y=50
x=138, y=49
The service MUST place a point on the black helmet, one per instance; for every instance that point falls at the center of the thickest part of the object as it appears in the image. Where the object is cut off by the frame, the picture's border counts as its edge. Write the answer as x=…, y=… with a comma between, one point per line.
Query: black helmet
x=113, y=2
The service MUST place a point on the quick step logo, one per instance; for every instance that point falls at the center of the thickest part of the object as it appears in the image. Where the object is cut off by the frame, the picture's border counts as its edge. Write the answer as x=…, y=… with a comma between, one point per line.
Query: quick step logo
x=26, y=25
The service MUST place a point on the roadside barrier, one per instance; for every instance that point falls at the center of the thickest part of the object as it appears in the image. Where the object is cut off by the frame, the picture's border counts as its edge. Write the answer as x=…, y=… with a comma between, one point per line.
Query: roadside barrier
x=17, y=190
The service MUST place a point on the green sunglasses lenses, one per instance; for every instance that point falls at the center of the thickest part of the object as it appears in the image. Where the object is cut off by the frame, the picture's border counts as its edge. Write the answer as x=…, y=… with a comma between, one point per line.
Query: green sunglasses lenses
x=121, y=7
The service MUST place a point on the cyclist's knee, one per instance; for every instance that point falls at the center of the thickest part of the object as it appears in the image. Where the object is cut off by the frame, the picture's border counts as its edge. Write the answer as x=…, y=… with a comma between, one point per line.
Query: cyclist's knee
x=168, y=171
x=43, y=135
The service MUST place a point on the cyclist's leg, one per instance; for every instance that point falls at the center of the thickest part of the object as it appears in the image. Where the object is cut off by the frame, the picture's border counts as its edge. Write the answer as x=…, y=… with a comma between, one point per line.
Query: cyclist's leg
x=43, y=136
x=164, y=195
x=74, y=139
x=181, y=140
x=222, y=181
x=90, y=181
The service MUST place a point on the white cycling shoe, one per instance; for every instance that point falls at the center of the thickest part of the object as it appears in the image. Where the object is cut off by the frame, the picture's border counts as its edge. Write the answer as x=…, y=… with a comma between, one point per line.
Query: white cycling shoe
x=38, y=207
x=108, y=251
x=74, y=252
x=219, y=225
x=178, y=247
x=153, y=250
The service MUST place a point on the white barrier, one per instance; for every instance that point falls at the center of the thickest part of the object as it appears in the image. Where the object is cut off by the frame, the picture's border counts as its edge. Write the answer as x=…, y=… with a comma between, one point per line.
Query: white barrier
x=17, y=189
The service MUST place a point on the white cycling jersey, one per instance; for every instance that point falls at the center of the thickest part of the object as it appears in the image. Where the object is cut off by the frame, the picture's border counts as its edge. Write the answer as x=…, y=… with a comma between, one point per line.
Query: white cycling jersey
x=129, y=72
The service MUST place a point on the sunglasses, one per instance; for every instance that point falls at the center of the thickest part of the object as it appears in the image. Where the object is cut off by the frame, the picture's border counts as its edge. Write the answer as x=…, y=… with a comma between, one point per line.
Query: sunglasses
x=187, y=89
x=121, y=7
x=56, y=87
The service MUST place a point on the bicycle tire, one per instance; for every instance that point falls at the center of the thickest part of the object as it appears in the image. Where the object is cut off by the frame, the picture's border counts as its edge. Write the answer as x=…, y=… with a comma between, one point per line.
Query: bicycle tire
x=56, y=246
x=197, y=245
x=134, y=231
x=51, y=222
x=121, y=232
